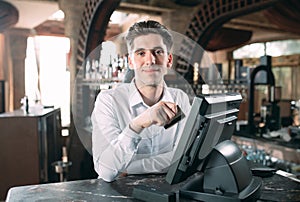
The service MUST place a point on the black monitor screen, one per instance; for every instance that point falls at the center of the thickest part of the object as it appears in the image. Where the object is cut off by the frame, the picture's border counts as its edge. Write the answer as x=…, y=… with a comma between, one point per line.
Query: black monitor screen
x=211, y=120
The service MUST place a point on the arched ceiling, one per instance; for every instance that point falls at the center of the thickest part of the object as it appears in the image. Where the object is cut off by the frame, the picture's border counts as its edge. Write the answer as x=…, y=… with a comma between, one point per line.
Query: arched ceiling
x=264, y=25
x=9, y=15
x=32, y=12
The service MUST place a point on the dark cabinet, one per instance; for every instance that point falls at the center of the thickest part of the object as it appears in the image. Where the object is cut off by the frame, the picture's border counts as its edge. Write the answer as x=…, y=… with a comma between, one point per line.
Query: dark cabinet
x=29, y=143
x=2, y=96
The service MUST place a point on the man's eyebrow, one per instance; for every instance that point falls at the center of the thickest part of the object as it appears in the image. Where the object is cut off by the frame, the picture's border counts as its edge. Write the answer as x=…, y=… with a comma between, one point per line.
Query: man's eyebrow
x=143, y=49
x=157, y=47
x=139, y=49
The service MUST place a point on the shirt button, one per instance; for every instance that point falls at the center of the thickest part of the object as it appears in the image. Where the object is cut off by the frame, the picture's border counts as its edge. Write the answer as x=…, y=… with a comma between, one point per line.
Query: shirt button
x=136, y=141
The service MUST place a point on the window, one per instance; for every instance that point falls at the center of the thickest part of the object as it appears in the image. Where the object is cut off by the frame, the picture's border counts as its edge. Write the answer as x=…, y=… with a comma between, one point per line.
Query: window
x=47, y=78
x=274, y=48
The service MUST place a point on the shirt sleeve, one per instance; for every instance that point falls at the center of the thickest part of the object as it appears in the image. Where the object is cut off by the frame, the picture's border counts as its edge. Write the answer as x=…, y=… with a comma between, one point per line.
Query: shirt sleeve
x=112, y=148
x=153, y=164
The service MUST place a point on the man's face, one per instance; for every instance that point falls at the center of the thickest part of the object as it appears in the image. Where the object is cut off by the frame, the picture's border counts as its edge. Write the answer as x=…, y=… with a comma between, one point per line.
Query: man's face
x=149, y=59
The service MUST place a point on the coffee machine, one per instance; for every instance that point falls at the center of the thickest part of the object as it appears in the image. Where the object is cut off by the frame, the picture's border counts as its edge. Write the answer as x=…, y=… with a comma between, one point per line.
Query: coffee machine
x=270, y=111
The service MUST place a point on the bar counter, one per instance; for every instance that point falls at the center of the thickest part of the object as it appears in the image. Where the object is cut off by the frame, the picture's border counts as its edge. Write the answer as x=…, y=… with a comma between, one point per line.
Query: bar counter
x=275, y=188
x=29, y=144
x=276, y=147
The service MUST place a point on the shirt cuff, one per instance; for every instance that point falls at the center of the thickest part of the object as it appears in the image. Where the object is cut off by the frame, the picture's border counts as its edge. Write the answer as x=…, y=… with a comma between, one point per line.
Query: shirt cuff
x=129, y=139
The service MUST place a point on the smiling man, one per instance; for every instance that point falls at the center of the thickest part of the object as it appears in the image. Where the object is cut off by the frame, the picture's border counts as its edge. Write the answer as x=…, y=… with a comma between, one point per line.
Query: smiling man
x=128, y=134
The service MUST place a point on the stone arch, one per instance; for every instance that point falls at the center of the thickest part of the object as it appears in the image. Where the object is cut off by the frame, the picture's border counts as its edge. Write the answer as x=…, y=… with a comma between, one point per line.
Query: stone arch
x=93, y=25
x=94, y=22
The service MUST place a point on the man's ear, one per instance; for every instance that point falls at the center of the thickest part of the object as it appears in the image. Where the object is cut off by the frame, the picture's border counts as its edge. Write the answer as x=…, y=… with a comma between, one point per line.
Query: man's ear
x=170, y=61
x=130, y=62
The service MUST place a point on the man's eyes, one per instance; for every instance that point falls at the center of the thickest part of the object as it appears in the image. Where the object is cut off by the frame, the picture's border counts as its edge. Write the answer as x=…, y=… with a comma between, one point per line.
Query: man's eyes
x=140, y=53
x=159, y=52
x=156, y=52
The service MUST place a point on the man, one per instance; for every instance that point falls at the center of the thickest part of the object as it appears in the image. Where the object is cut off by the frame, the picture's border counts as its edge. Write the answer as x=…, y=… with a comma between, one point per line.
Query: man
x=128, y=133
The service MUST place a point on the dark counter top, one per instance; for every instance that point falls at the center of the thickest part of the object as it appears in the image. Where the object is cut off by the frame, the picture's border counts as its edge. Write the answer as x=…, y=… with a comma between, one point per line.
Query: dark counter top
x=275, y=188
x=33, y=112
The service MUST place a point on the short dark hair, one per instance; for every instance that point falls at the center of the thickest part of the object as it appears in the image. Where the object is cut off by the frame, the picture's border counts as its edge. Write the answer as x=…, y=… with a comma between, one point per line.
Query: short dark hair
x=147, y=27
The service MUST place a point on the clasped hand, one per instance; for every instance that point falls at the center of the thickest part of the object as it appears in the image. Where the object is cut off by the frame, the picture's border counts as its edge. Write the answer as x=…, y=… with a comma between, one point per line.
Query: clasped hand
x=160, y=114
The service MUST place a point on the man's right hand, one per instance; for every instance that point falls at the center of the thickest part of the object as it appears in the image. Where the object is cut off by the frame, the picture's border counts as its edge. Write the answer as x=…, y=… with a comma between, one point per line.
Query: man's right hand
x=160, y=114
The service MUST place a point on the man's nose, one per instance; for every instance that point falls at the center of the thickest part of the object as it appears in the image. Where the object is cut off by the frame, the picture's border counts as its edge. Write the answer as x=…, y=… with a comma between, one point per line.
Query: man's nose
x=150, y=58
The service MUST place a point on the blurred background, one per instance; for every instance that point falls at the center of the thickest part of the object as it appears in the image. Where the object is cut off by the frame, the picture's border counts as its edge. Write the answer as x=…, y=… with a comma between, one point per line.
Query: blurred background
x=50, y=75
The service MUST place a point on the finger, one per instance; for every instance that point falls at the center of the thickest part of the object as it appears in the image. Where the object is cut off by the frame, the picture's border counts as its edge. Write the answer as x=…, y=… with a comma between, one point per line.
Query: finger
x=163, y=112
x=169, y=112
x=171, y=106
x=160, y=117
x=166, y=114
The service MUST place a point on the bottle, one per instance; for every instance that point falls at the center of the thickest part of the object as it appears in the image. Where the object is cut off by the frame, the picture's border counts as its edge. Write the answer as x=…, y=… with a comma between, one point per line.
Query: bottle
x=87, y=69
x=26, y=105
x=109, y=69
x=64, y=154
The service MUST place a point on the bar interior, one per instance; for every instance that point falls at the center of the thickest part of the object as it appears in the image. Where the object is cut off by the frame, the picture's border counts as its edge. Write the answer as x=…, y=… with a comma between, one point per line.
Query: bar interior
x=56, y=56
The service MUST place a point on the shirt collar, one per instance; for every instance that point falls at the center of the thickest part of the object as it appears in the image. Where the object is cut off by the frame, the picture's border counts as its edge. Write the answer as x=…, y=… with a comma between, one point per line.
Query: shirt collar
x=135, y=97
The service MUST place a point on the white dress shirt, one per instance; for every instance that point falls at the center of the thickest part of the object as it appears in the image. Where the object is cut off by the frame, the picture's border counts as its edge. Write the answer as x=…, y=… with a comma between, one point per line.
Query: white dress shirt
x=116, y=148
